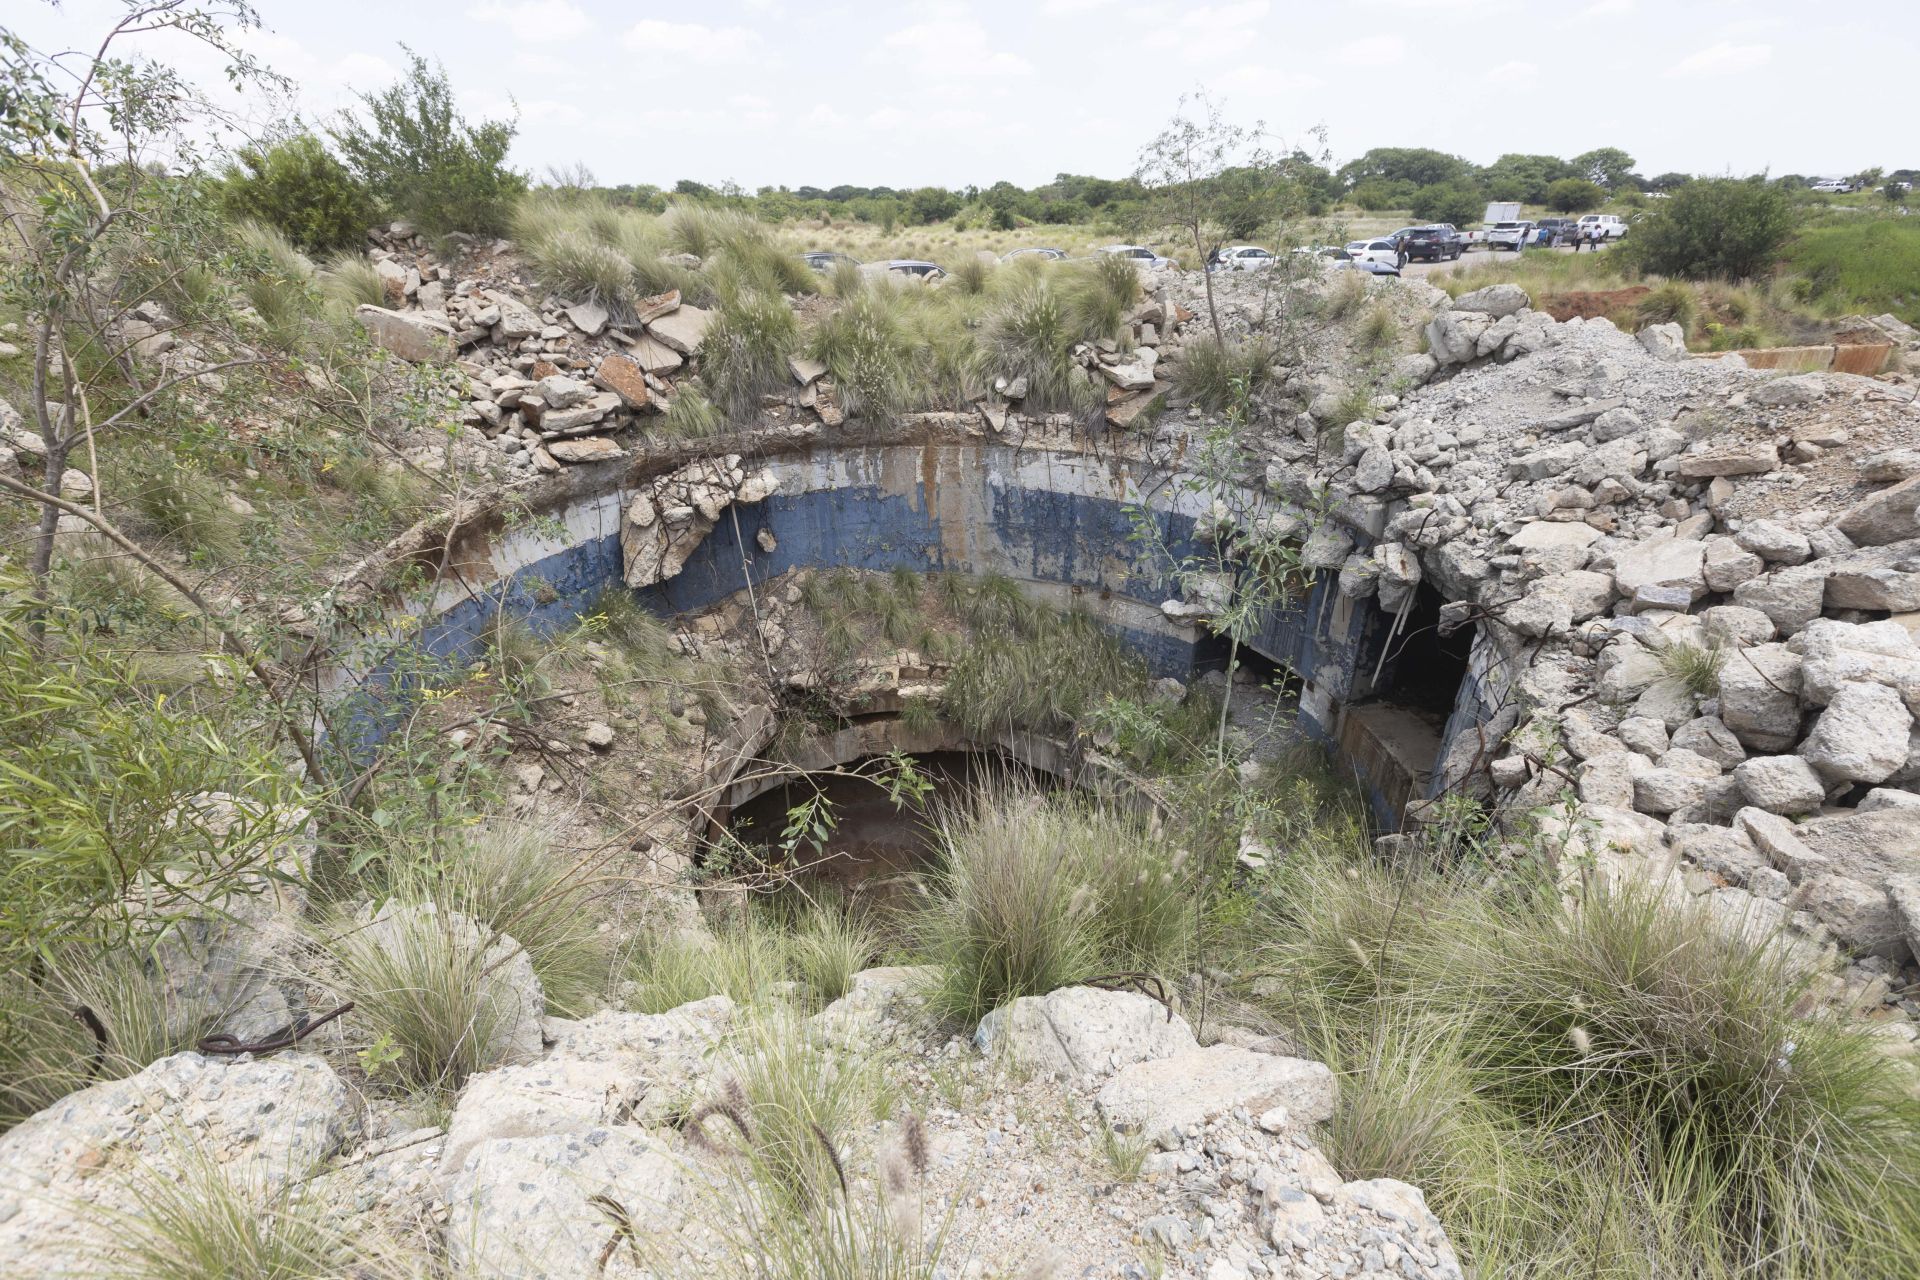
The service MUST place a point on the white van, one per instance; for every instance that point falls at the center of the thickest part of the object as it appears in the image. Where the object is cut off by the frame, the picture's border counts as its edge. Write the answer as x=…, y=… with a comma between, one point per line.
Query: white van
x=1612, y=226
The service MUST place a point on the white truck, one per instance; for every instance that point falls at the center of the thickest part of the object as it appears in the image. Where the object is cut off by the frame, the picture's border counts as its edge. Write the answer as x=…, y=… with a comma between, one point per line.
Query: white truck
x=1497, y=212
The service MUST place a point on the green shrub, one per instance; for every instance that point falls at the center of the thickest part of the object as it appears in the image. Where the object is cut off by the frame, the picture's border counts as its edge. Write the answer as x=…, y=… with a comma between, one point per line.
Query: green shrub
x=1452, y=202
x=1214, y=377
x=1577, y=1085
x=182, y=506
x=76, y=727
x=1714, y=227
x=1030, y=667
x=1669, y=303
x=349, y=280
x=868, y=353
x=1099, y=295
x=1569, y=195
x=744, y=354
x=1029, y=335
x=299, y=187
x=424, y=162
x=1032, y=895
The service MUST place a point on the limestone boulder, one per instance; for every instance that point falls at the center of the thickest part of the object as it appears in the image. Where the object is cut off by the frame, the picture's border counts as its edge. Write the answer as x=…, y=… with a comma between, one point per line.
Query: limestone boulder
x=1780, y=784
x=414, y=336
x=1082, y=1033
x=523, y=1208
x=1861, y=736
x=1495, y=300
x=1759, y=696
x=1667, y=562
x=68, y=1172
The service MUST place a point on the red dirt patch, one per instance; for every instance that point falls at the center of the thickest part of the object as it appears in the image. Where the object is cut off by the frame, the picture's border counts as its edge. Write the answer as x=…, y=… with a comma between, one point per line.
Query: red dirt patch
x=1591, y=303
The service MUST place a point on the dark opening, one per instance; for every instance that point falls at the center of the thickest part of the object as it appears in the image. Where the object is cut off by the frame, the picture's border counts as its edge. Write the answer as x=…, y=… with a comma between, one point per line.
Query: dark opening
x=1424, y=668
x=875, y=845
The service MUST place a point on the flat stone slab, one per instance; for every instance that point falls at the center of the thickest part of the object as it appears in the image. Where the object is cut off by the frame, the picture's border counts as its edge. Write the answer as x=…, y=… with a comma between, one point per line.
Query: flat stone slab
x=1082, y=1033
x=1165, y=1098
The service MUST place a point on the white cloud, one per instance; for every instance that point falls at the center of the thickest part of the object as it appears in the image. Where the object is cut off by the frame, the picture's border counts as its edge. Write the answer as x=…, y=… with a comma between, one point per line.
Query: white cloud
x=1513, y=75
x=535, y=21
x=946, y=48
x=1723, y=59
x=1255, y=79
x=1372, y=51
x=1071, y=8
x=690, y=40
x=1607, y=8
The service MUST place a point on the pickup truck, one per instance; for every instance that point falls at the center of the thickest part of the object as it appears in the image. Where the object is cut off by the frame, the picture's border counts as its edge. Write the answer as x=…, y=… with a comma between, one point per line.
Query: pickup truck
x=1509, y=235
x=1436, y=243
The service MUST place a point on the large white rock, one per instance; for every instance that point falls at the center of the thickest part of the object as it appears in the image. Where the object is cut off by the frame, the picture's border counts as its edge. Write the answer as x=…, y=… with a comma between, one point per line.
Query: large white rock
x=1759, y=700
x=1780, y=784
x=1861, y=736
x=522, y=1208
x=1666, y=562
x=1165, y=1098
x=265, y=1120
x=1083, y=1033
x=559, y=1095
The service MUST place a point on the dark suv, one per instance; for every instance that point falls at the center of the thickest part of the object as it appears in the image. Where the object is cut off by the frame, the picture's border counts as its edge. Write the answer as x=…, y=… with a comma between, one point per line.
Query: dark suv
x=1435, y=242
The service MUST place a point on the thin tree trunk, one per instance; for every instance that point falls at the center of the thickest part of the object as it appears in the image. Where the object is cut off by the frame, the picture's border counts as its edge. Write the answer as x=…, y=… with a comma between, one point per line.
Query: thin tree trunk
x=1213, y=312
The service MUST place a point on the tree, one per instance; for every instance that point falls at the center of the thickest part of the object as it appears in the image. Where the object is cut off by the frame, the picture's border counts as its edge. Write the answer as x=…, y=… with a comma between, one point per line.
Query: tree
x=932, y=204
x=1609, y=166
x=1421, y=166
x=1525, y=177
x=1731, y=227
x=1866, y=179
x=1183, y=170
x=1669, y=181
x=420, y=156
x=299, y=187
x=1893, y=193
x=1451, y=202
x=1570, y=194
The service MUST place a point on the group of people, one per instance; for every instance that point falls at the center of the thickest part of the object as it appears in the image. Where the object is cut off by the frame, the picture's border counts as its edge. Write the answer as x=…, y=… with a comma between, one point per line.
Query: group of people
x=1591, y=236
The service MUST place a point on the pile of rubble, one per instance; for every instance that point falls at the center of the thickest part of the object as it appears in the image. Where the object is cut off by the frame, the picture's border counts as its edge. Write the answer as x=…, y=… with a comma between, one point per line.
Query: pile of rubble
x=1700, y=586
x=548, y=386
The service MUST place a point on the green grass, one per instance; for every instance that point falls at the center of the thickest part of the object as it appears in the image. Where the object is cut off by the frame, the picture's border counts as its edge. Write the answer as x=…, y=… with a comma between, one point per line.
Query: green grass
x=1866, y=266
x=423, y=985
x=1032, y=895
x=744, y=354
x=350, y=281
x=1696, y=667
x=1611, y=1088
x=509, y=877
x=202, y=1220
x=179, y=504
x=1215, y=377
x=1031, y=667
x=868, y=353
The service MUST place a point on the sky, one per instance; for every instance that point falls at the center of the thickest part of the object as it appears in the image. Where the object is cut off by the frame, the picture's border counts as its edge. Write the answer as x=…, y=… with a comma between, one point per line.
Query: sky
x=906, y=93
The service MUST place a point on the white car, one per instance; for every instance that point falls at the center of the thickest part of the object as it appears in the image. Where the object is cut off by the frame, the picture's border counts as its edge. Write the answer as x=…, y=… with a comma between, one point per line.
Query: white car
x=1245, y=257
x=1142, y=257
x=1509, y=235
x=1833, y=186
x=1612, y=226
x=1385, y=252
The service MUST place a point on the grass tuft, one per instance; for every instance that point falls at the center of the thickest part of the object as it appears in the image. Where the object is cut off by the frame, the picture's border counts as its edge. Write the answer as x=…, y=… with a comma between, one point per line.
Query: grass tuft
x=744, y=355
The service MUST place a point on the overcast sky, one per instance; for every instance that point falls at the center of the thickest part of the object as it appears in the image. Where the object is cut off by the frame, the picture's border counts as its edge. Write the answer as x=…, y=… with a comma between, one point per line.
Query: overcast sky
x=904, y=93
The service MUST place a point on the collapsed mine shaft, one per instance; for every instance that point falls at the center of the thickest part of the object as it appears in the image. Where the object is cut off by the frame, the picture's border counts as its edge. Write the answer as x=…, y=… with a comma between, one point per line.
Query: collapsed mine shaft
x=1377, y=678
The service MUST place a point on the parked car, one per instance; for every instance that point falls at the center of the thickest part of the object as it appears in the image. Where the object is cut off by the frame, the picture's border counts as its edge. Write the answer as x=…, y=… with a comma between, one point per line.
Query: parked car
x=1052, y=255
x=1833, y=186
x=1437, y=242
x=1611, y=225
x=916, y=267
x=1244, y=257
x=1509, y=235
x=1338, y=259
x=1552, y=231
x=1385, y=251
x=1142, y=256
x=823, y=261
